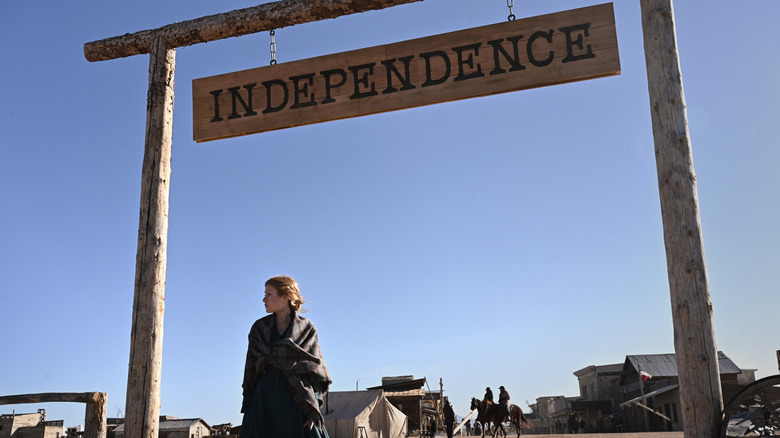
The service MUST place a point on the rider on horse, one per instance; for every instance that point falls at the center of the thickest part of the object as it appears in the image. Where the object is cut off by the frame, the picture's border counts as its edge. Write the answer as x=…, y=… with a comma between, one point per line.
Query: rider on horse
x=503, y=401
x=488, y=395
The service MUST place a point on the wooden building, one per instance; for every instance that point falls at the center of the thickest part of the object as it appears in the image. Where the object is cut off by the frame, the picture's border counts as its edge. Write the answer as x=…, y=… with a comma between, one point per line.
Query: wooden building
x=661, y=389
x=611, y=396
x=172, y=427
x=406, y=393
x=30, y=426
x=600, y=394
x=224, y=429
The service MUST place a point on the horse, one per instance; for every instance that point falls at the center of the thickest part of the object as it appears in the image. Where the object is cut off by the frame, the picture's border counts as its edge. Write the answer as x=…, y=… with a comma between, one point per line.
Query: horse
x=492, y=413
x=517, y=418
x=483, y=416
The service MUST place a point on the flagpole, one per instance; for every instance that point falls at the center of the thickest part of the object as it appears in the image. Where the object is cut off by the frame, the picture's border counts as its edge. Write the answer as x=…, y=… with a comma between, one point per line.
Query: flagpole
x=642, y=392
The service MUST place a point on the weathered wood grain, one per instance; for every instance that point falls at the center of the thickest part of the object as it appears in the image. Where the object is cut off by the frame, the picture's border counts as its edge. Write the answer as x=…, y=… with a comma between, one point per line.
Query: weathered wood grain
x=48, y=397
x=245, y=21
x=551, y=49
x=701, y=398
x=142, y=407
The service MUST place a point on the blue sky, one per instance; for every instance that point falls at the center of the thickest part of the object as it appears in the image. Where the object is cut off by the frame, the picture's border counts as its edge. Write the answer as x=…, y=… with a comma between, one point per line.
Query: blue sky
x=506, y=240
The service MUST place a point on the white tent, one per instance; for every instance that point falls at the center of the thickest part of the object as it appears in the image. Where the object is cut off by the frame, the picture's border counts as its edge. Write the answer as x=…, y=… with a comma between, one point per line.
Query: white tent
x=362, y=414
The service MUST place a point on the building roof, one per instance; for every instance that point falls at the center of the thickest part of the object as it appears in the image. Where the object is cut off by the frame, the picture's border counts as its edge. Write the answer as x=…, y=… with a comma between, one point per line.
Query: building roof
x=175, y=424
x=600, y=369
x=401, y=385
x=546, y=398
x=184, y=423
x=665, y=365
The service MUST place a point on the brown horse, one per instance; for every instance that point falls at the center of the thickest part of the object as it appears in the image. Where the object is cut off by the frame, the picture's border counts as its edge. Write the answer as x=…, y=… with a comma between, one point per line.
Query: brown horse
x=483, y=415
x=517, y=418
x=489, y=412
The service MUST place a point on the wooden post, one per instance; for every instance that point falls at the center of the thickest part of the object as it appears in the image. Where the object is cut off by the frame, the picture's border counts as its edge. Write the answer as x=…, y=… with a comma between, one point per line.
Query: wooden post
x=142, y=409
x=441, y=400
x=701, y=398
x=95, y=416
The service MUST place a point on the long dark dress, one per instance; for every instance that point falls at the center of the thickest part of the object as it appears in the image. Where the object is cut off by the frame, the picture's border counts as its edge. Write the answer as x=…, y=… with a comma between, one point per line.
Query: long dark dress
x=272, y=412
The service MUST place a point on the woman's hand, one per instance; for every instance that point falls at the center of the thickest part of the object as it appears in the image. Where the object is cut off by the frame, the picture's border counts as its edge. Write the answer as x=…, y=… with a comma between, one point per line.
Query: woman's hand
x=308, y=424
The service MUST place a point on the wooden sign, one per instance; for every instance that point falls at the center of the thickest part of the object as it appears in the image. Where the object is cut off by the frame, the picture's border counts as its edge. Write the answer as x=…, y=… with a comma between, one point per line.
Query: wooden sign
x=515, y=55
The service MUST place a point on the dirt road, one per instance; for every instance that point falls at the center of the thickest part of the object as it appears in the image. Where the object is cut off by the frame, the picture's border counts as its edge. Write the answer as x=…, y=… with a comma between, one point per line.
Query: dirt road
x=603, y=435
x=611, y=435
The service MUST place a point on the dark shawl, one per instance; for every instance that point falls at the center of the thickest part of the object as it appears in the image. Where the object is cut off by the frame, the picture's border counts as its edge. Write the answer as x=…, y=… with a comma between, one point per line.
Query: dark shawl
x=297, y=355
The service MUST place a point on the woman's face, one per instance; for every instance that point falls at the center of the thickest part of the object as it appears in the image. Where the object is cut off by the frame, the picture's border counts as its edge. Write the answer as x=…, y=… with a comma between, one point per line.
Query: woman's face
x=274, y=302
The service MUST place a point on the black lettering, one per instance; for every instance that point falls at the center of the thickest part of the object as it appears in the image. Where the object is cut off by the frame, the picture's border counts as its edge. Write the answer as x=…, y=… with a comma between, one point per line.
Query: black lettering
x=570, y=56
x=551, y=55
x=304, y=91
x=267, y=85
x=468, y=61
x=328, y=86
x=363, y=80
x=406, y=80
x=216, y=94
x=248, y=111
x=427, y=56
x=515, y=61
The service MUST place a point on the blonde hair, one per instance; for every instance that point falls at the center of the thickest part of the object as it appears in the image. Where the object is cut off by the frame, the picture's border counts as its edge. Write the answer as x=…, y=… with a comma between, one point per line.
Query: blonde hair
x=286, y=286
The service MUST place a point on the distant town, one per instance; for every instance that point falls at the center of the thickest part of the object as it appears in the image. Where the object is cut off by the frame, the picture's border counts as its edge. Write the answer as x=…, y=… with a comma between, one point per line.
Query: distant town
x=640, y=394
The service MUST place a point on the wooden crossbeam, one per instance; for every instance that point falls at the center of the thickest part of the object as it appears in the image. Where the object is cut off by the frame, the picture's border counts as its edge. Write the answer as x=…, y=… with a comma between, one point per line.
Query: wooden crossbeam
x=647, y=408
x=246, y=21
x=48, y=397
x=94, y=417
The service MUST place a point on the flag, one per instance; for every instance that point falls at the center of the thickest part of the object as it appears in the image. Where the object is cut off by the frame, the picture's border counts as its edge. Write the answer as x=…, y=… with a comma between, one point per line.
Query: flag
x=645, y=376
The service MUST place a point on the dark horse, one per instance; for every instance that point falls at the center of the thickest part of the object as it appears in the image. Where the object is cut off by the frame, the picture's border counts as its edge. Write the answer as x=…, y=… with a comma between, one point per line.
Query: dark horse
x=490, y=412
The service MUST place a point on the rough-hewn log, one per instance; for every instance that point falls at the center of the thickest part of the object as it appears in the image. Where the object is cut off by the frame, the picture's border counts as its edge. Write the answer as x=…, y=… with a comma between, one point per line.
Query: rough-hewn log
x=246, y=21
x=142, y=408
x=94, y=418
x=701, y=398
x=48, y=397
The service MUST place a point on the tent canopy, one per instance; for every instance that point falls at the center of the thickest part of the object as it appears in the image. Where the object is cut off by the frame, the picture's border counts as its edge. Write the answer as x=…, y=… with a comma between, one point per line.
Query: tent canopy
x=362, y=414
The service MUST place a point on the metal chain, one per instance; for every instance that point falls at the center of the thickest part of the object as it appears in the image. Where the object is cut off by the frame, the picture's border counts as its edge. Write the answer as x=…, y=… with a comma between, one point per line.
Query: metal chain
x=273, y=47
x=510, y=4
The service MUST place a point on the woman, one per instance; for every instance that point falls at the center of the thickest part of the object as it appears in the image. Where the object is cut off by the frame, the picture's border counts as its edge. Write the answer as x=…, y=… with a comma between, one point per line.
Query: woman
x=285, y=372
